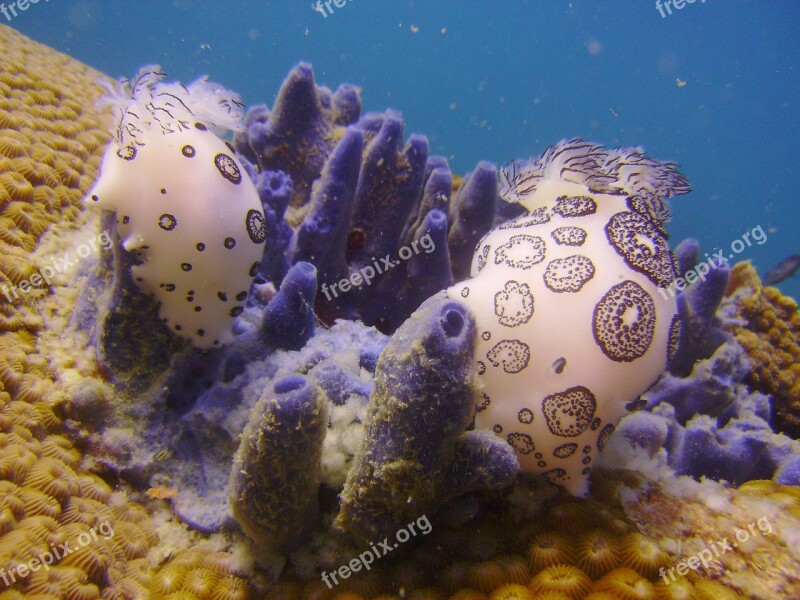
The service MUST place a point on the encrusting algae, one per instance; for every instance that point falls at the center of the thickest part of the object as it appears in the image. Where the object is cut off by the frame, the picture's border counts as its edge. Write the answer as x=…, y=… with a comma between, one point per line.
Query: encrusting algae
x=617, y=543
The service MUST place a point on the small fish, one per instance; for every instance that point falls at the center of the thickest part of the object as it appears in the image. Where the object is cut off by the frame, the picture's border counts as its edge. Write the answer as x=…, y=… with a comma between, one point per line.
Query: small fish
x=781, y=271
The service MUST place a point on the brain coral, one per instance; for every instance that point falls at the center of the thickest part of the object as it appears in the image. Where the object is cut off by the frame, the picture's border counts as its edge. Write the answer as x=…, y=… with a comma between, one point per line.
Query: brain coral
x=51, y=143
x=767, y=325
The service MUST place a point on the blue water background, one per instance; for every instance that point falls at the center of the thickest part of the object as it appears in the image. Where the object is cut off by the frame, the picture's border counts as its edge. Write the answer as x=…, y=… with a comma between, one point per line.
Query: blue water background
x=504, y=79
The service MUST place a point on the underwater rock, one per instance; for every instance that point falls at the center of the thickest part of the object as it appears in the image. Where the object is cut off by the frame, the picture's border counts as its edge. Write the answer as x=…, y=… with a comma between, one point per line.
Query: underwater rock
x=276, y=471
x=570, y=303
x=416, y=454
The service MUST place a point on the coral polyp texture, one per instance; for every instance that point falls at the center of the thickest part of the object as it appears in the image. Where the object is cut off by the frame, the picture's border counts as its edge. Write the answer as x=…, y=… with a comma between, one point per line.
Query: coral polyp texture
x=570, y=301
x=348, y=402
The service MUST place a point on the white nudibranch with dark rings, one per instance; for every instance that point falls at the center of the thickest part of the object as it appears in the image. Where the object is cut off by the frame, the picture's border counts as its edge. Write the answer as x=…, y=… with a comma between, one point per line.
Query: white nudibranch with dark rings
x=185, y=204
x=571, y=328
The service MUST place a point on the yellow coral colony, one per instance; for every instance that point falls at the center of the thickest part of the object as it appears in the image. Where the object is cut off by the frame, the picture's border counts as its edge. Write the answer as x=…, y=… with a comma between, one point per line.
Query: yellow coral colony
x=570, y=320
x=51, y=145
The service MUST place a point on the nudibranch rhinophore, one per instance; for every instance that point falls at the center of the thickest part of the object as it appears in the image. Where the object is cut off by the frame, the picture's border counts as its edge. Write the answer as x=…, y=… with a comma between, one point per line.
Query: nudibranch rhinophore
x=573, y=314
x=186, y=208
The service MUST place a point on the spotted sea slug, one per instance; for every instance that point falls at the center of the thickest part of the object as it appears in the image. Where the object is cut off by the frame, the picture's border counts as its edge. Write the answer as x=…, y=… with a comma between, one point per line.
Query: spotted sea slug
x=185, y=205
x=573, y=316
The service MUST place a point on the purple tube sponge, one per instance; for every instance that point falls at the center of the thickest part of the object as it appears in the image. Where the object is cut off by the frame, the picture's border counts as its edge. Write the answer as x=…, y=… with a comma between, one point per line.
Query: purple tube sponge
x=322, y=235
x=710, y=424
x=361, y=193
x=275, y=191
x=390, y=181
x=701, y=331
x=789, y=472
x=299, y=134
x=276, y=471
x=289, y=317
x=472, y=216
x=435, y=196
x=416, y=455
x=429, y=267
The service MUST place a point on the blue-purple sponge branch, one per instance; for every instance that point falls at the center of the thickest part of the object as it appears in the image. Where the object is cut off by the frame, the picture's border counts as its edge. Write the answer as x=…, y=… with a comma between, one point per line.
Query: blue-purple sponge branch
x=416, y=455
x=276, y=471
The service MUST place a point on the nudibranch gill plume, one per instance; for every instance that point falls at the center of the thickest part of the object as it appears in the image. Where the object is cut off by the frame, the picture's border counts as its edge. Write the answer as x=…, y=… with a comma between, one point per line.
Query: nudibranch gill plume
x=571, y=302
x=186, y=208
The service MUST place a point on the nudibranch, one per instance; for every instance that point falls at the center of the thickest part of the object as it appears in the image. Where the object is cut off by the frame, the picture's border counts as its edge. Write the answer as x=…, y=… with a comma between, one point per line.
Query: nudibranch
x=573, y=303
x=185, y=206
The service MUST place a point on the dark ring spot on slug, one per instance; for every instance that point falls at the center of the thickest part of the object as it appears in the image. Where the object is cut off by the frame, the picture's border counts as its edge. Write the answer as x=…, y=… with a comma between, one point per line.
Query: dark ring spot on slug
x=186, y=266
x=167, y=222
x=127, y=153
x=222, y=296
x=200, y=127
x=256, y=226
x=228, y=168
x=200, y=246
x=241, y=296
x=95, y=198
x=188, y=151
x=229, y=243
